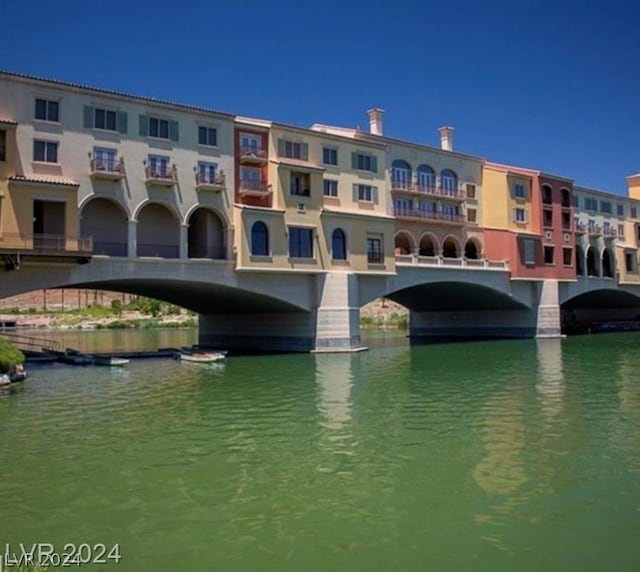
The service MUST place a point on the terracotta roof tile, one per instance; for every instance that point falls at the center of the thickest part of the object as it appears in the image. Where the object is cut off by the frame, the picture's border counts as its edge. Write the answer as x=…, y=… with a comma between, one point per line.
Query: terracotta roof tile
x=46, y=179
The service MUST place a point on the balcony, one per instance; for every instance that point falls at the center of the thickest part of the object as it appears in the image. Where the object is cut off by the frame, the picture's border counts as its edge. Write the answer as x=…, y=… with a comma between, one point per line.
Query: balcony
x=609, y=232
x=481, y=263
x=211, y=182
x=433, y=216
x=166, y=177
x=406, y=187
x=107, y=169
x=580, y=228
x=594, y=230
x=253, y=188
x=46, y=244
x=252, y=155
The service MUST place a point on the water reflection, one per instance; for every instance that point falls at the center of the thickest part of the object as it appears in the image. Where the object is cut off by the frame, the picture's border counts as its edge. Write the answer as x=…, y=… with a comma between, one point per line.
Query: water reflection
x=334, y=379
x=550, y=385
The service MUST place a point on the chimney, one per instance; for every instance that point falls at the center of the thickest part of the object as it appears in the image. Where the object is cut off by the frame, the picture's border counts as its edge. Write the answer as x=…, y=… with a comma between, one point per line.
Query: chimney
x=446, y=138
x=375, y=121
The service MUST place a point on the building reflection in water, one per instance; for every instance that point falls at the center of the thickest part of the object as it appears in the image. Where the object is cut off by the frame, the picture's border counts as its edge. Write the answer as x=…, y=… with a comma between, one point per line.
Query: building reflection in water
x=550, y=386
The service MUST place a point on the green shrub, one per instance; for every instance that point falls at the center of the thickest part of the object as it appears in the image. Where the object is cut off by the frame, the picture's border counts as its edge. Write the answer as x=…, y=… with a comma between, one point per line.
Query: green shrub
x=9, y=356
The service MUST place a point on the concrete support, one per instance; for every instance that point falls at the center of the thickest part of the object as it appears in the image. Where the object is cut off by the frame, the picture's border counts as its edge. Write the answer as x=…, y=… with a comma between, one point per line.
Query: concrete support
x=183, y=249
x=337, y=323
x=132, y=239
x=548, y=311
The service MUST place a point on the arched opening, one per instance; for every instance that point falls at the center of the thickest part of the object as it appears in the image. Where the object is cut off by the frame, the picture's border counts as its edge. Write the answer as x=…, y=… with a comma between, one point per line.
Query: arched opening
x=106, y=222
x=607, y=264
x=450, y=248
x=338, y=245
x=158, y=232
x=403, y=243
x=471, y=250
x=400, y=175
x=565, y=198
x=547, y=198
x=592, y=266
x=426, y=178
x=427, y=246
x=206, y=235
x=448, y=182
x=259, y=239
x=579, y=260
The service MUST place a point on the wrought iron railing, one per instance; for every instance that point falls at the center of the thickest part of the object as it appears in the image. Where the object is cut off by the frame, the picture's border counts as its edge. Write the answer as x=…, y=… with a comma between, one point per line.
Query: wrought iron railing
x=46, y=243
x=429, y=215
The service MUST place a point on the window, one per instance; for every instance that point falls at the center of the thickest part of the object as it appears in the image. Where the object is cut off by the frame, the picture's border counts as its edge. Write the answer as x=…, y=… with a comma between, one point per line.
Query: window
x=105, y=159
x=520, y=215
x=591, y=204
x=591, y=226
x=519, y=191
x=576, y=201
x=547, y=218
x=259, y=239
x=338, y=245
x=628, y=262
x=3, y=145
x=45, y=151
x=565, y=198
x=426, y=178
x=251, y=178
x=548, y=254
x=158, y=166
x=364, y=162
x=329, y=156
x=634, y=212
x=546, y=195
x=330, y=188
x=47, y=110
x=621, y=230
x=300, y=242
x=364, y=193
x=250, y=144
x=529, y=248
x=293, y=149
x=207, y=172
x=374, y=250
x=472, y=215
x=158, y=128
x=471, y=191
x=567, y=256
x=300, y=185
x=566, y=221
x=104, y=119
x=207, y=136
x=402, y=206
x=605, y=207
x=448, y=182
x=620, y=210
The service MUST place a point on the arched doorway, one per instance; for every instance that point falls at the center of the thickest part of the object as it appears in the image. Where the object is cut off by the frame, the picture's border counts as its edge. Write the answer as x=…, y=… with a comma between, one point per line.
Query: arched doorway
x=592, y=266
x=403, y=243
x=206, y=235
x=158, y=232
x=400, y=175
x=471, y=250
x=450, y=248
x=607, y=264
x=579, y=260
x=105, y=221
x=427, y=246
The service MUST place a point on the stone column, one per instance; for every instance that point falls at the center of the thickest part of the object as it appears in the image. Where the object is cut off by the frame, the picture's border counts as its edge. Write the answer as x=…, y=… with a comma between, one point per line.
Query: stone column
x=132, y=239
x=184, y=241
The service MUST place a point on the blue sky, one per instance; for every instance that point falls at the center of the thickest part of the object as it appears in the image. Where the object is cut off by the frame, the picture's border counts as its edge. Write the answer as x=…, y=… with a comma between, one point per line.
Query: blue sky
x=542, y=84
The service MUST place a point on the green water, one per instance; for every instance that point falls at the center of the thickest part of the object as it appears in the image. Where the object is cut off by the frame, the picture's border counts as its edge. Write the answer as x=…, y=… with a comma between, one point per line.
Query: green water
x=500, y=456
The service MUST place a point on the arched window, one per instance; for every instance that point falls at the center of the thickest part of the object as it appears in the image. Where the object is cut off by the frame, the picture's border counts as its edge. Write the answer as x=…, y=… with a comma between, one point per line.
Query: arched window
x=400, y=175
x=338, y=245
x=426, y=178
x=448, y=182
x=259, y=239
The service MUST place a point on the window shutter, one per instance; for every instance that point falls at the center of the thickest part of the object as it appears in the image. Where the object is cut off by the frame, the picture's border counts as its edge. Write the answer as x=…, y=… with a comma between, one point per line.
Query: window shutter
x=304, y=151
x=355, y=193
x=174, y=131
x=354, y=161
x=88, y=117
x=121, y=121
x=281, y=150
x=374, y=163
x=374, y=195
x=144, y=126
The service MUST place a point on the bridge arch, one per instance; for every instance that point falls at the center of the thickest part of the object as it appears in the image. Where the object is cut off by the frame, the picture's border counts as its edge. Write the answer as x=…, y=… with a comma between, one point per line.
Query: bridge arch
x=207, y=234
x=107, y=221
x=428, y=245
x=158, y=230
x=404, y=242
x=450, y=247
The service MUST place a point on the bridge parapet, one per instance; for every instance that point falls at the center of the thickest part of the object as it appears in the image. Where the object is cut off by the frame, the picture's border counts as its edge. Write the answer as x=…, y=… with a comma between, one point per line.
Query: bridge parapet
x=480, y=264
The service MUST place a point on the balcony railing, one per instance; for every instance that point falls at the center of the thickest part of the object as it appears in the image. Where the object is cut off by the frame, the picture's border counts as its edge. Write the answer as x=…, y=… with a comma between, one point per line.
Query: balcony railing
x=161, y=175
x=112, y=169
x=429, y=215
x=594, y=229
x=609, y=232
x=251, y=187
x=250, y=154
x=211, y=181
x=46, y=244
x=404, y=186
x=580, y=227
x=481, y=263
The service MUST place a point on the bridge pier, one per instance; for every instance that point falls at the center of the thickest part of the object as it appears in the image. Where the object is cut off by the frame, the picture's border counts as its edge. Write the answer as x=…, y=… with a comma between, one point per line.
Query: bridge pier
x=541, y=320
x=332, y=326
